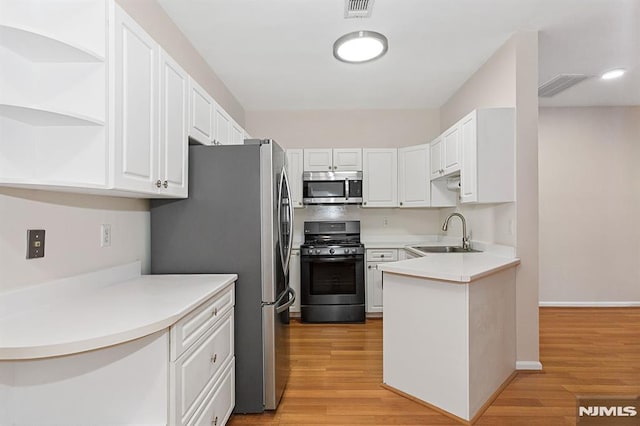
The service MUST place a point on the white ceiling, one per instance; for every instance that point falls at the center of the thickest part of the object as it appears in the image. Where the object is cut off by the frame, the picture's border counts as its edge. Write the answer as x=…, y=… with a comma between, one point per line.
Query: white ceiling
x=277, y=54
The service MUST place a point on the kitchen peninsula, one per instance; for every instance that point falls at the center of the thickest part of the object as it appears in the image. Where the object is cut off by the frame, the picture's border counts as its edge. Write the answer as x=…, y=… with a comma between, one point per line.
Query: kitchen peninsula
x=449, y=329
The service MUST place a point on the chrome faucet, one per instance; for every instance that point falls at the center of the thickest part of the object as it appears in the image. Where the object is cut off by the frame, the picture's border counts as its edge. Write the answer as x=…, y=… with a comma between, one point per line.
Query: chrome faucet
x=465, y=238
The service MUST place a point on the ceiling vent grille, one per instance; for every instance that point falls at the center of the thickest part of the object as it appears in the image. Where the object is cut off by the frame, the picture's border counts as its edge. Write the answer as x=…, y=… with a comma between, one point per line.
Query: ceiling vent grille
x=560, y=83
x=358, y=8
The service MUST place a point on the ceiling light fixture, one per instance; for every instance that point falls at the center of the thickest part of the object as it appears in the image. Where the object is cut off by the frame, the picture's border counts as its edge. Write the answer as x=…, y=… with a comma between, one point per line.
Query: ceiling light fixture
x=360, y=46
x=613, y=74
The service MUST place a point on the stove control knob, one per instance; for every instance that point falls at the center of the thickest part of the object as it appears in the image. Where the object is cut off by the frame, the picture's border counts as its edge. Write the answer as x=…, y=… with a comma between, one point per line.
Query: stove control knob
x=316, y=251
x=331, y=251
x=346, y=251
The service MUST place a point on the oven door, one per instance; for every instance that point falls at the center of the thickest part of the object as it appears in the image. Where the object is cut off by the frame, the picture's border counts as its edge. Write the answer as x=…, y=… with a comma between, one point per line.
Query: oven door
x=332, y=280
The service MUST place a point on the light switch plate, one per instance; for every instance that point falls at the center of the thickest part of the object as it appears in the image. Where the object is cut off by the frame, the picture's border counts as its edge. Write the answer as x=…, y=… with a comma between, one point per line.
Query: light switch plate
x=35, y=243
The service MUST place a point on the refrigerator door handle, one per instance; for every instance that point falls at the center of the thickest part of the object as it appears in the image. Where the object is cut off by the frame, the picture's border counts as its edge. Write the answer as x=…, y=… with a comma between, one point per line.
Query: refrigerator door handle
x=290, y=291
x=290, y=205
x=282, y=256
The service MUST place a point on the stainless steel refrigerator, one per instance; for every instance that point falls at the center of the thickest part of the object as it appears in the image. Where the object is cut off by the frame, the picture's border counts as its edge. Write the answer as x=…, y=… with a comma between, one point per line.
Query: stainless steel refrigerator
x=238, y=219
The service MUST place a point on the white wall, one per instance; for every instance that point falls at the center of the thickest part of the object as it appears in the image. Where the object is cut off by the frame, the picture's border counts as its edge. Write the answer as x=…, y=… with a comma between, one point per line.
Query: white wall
x=348, y=129
x=72, y=224
x=589, y=205
x=345, y=128
x=510, y=78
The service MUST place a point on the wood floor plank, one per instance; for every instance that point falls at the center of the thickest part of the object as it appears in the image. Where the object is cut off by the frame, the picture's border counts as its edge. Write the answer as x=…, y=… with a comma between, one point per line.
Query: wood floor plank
x=337, y=371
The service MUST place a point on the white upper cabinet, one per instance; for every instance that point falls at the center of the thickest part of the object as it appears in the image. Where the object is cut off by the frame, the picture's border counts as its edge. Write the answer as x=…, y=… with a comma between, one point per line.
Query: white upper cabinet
x=451, y=152
x=445, y=153
x=294, y=165
x=338, y=159
x=150, y=101
x=347, y=159
x=174, y=139
x=201, y=114
x=209, y=123
x=488, y=155
x=435, y=158
x=135, y=100
x=318, y=160
x=414, y=187
x=237, y=134
x=380, y=177
x=223, y=126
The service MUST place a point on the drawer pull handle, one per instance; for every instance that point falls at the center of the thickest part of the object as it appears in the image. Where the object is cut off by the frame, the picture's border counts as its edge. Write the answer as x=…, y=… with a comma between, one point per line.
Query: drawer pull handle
x=165, y=183
x=214, y=358
x=158, y=183
x=214, y=312
x=214, y=422
x=382, y=255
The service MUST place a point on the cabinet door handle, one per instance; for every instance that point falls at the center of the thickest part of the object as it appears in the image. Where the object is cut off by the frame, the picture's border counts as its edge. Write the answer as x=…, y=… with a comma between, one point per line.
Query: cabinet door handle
x=214, y=358
x=329, y=167
x=369, y=267
x=214, y=422
x=364, y=204
x=400, y=202
x=335, y=167
x=158, y=183
x=165, y=183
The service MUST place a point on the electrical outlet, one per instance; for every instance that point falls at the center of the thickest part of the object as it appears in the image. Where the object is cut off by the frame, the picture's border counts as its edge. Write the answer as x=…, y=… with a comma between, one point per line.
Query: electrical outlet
x=35, y=243
x=105, y=235
x=385, y=221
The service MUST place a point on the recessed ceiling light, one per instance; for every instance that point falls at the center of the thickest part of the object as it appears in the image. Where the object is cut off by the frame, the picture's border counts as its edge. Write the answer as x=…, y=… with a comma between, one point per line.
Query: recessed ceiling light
x=613, y=74
x=360, y=46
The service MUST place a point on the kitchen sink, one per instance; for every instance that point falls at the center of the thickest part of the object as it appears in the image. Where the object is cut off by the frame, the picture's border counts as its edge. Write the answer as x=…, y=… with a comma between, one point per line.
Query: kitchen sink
x=443, y=249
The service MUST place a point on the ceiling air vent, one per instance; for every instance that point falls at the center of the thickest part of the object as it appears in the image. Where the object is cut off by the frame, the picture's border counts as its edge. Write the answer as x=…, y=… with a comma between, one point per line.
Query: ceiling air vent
x=358, y=8
x=559, y=83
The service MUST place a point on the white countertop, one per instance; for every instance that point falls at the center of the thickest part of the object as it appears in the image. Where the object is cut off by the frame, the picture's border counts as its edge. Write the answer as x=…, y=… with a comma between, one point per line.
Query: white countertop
x=100, y=314
x=455, y=267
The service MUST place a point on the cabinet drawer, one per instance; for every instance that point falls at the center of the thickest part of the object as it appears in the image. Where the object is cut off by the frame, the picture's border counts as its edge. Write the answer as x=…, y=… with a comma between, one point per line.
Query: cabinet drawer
x=219, y=402
x=382, y=255
x=190, y=328
x=195, y=372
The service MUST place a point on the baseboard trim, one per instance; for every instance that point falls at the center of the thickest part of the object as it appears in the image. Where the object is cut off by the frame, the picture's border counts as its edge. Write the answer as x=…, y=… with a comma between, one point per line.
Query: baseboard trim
x=631, y=304
x=426, y=404
x=528, y=366
x=461, y=420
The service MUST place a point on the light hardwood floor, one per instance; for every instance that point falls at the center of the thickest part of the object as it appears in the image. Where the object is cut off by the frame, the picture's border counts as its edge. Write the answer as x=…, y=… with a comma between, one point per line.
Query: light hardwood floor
x=337, y=372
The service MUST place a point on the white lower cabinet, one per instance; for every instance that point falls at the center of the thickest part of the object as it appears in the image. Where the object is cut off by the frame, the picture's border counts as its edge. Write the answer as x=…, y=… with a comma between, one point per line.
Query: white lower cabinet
x=202, y=373
x=219, y=402
x=294, y=279
x=374, y=302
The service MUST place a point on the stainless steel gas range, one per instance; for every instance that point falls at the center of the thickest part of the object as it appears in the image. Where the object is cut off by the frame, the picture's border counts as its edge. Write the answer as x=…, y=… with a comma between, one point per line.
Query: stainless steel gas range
x=332, y=272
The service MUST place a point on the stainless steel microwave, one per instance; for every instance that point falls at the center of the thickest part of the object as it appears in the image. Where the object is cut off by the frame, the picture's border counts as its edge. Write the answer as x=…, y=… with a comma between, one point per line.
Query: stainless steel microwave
x=332, y=187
